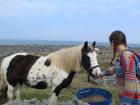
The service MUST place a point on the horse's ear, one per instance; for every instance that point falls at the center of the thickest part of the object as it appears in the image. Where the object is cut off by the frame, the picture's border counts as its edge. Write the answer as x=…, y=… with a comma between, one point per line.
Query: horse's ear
x=94, y=44
x=86, y=44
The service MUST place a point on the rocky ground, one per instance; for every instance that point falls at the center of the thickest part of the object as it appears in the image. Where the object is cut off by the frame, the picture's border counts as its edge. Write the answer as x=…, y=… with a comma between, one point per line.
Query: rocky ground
x=46, y=49
x=35, y=102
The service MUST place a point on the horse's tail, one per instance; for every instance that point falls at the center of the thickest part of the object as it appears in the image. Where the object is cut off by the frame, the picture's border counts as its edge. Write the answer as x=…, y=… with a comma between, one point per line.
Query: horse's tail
x=3, y=86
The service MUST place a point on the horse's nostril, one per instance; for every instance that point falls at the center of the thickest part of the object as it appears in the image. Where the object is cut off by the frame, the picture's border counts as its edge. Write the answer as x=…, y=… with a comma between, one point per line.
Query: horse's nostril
x=96, y=74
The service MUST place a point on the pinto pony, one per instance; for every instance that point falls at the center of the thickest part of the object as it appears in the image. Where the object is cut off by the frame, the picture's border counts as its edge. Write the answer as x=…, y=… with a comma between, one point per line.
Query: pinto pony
x=56, y=70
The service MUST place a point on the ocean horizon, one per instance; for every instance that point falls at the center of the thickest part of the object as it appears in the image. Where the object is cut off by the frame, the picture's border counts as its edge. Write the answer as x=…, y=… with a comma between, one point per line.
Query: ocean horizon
x=51, y=42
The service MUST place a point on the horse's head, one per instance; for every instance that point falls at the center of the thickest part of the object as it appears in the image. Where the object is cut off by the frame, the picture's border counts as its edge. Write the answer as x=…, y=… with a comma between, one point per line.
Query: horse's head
x=89, y=59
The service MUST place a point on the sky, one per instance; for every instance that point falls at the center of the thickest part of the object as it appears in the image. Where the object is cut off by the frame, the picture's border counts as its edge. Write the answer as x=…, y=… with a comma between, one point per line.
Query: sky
x=69, y=20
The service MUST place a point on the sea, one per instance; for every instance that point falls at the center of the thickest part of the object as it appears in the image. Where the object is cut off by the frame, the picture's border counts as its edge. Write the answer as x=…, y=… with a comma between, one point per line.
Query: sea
x=52, y=42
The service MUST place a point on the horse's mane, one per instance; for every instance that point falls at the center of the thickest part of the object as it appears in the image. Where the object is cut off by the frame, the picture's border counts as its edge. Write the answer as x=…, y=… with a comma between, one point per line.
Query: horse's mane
x=68, y=59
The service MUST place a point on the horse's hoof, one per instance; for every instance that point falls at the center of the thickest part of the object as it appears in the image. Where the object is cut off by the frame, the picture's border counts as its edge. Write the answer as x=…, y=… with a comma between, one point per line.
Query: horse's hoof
x=52, y=103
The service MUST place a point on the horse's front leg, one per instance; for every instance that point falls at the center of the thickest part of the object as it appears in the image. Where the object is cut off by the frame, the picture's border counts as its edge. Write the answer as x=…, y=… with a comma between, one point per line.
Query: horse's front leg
x=63, y=84
x=53, y=100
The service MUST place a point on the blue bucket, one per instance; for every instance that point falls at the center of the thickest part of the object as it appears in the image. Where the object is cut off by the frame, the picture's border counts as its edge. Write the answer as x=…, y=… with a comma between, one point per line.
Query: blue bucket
x=89, y=92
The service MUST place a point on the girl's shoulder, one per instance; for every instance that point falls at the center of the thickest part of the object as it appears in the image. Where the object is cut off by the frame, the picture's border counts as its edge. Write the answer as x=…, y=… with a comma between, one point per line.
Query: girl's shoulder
x=126, y=53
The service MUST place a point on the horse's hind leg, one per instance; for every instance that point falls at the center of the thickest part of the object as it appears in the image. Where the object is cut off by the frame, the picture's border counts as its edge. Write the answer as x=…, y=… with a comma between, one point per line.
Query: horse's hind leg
x=17, y=91
x=10, y=92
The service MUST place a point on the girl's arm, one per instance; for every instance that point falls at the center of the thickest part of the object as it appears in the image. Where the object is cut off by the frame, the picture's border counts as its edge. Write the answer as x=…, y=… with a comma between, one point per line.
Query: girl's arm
x=110, y=71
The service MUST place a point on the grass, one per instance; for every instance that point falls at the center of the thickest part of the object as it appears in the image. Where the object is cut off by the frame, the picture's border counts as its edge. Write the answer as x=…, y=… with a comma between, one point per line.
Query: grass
x=80, y=81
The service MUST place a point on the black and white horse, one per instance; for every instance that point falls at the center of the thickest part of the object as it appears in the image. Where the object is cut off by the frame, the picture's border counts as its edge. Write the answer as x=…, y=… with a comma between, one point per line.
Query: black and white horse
x=56, y=70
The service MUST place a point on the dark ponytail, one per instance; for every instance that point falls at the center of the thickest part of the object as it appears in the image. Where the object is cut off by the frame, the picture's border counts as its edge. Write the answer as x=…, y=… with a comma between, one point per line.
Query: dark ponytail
x=114, y=54
x=117, y=37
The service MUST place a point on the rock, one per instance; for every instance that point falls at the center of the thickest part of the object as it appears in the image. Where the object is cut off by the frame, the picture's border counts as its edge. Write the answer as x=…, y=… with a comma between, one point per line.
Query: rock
x=35, y=102
x=67, y=103
x=16, y=103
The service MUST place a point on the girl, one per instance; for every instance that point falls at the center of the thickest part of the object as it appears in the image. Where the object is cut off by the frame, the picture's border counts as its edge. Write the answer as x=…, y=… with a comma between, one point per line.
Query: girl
x=126, y=69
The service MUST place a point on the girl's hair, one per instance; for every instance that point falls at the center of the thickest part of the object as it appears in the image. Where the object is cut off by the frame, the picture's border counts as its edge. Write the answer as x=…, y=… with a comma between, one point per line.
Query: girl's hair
x=117, y=37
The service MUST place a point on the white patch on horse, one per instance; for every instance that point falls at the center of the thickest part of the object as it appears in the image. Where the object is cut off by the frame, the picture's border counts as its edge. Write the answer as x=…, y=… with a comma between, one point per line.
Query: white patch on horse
x=59, y=76
x=10, y=92
x=93, y=60
x=39, y=72
x=48, y=74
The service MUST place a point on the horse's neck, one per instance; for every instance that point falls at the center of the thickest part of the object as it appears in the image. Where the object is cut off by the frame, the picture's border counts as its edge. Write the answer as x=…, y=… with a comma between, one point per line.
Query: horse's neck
x=69, y=60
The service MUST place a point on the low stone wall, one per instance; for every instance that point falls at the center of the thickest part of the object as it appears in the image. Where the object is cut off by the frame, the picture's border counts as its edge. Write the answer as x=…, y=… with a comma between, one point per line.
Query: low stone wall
x=35, y=102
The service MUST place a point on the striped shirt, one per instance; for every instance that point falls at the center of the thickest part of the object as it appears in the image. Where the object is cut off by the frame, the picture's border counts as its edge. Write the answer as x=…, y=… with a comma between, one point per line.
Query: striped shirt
x=126, y=70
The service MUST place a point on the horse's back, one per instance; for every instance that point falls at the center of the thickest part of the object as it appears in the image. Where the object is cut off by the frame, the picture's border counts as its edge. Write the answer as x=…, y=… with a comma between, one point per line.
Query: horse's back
x=7, y=59
x=17, y=66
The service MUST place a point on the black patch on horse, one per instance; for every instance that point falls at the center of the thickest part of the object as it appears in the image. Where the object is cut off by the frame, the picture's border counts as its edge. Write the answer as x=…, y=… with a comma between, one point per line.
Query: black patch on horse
x=65, y=83
x=85, y=62
x=48, y=62
x=40, y=85
x=19, y=67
